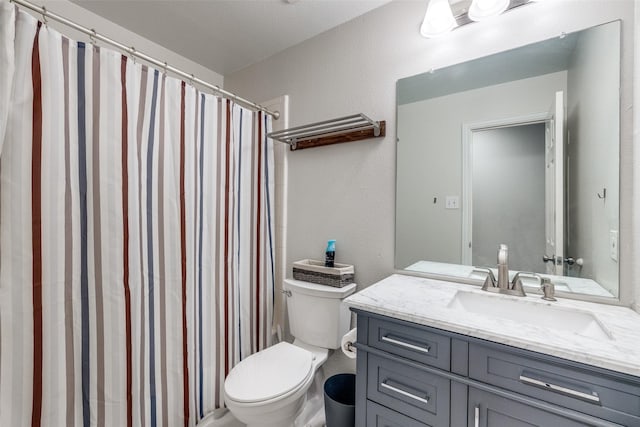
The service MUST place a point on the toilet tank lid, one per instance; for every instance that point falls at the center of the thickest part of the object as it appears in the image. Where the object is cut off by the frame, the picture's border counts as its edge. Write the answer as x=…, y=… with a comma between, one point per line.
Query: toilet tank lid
x=269, y=373
x=314, y=289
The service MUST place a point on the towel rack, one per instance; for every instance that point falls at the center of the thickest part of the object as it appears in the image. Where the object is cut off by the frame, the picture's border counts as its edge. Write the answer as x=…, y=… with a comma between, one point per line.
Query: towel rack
x=344, y=129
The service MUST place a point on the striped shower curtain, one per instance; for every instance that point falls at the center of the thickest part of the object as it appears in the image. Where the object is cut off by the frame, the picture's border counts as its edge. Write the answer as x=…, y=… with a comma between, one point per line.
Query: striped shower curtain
x=136, y=236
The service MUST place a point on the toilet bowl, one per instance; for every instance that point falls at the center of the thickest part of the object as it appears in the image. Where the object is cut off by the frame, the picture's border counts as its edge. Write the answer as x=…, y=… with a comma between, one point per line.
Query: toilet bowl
x=269, y=388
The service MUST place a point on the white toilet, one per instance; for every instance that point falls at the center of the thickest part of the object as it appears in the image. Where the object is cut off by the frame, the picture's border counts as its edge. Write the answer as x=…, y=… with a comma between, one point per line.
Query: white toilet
x=268, y=388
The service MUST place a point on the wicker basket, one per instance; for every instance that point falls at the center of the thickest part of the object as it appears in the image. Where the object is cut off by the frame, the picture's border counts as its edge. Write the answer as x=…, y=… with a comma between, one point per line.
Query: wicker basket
x=311, y=270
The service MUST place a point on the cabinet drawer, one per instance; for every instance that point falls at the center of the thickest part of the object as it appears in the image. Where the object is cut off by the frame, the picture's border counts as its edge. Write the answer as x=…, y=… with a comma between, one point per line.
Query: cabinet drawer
x=592, y=393
x=412, y=392
x=379, y=416
x=411, y=342
x=489, y=410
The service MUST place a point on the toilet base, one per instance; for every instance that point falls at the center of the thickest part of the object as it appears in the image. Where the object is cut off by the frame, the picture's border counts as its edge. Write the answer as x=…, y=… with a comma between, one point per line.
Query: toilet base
x=307, y=411
x=281, y=417
x=312, y=414
x=225, y=420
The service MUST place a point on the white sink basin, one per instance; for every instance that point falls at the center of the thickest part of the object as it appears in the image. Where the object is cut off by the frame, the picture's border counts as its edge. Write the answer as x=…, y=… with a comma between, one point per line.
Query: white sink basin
x=534, y=313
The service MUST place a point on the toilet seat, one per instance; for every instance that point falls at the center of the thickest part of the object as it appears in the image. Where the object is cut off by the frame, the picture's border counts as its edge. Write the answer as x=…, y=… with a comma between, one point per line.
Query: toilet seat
x=269, y=374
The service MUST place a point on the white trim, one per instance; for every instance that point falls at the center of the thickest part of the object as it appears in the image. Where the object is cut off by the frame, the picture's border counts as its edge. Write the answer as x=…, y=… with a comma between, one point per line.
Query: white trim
x=559, y=128
x=281, y=172
x=467, y=169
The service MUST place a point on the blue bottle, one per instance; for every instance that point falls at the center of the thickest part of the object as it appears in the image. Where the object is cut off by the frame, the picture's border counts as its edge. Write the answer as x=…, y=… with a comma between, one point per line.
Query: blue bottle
x=330, y=254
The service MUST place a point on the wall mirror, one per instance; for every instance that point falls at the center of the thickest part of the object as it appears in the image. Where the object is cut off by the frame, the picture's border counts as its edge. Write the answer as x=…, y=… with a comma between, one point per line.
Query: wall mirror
x=521, y=148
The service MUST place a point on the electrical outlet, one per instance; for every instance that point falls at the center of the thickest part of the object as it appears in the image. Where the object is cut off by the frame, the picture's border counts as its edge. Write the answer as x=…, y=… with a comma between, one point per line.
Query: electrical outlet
x=613, y=244
x=452, y=202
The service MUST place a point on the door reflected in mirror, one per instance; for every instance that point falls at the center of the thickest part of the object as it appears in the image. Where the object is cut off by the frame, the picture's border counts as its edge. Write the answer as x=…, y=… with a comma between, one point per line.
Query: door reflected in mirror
x=521, y=148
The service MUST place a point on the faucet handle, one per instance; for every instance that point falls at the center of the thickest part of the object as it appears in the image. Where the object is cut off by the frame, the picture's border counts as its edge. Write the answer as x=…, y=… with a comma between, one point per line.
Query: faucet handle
x=526, y=274
x=516, y=283
x=490, y=281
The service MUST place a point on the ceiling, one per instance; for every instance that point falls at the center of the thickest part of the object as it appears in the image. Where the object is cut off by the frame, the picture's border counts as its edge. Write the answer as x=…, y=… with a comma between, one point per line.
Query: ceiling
x=228, y=35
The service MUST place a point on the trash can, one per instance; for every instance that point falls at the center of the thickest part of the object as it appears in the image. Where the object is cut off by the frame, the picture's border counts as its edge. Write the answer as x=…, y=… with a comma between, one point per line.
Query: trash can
x=340, y=400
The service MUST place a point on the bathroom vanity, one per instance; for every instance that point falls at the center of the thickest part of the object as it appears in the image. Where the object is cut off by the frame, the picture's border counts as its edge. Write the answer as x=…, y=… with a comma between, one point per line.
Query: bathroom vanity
x=434, y=353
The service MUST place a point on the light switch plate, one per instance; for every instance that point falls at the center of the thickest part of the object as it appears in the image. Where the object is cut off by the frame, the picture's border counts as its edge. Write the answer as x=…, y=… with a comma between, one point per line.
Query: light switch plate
x=452, y=202
x=613, y=244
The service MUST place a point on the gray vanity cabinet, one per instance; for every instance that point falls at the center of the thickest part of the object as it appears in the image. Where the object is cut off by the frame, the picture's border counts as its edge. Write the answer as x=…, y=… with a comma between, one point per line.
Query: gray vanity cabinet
x=410, y=375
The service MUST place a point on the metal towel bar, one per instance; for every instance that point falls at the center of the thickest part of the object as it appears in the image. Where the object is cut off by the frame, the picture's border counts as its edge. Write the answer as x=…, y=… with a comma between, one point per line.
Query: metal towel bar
x=353, y=128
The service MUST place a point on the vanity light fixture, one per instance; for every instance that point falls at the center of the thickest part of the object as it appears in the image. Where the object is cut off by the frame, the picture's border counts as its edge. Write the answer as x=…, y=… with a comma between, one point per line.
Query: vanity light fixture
x=484, y=9
x=443, y=16
x=438, y=20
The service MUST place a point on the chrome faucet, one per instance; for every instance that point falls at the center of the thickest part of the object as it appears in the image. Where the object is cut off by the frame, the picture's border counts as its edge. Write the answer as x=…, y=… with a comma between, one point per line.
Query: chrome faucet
x=502, y=285
x=503, y=267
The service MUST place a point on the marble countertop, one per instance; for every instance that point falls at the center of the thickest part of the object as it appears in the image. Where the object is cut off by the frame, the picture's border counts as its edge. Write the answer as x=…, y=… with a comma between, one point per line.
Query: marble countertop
x=425, y=301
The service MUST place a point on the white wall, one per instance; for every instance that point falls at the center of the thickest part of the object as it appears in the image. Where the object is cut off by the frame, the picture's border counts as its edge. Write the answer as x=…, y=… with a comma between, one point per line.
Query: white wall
x=107, y=28
x=426, y=230
x=347, y=191
x=592, y=121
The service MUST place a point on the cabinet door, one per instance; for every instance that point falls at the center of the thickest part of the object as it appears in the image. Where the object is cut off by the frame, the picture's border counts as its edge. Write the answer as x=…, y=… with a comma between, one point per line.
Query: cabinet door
x=488, y=410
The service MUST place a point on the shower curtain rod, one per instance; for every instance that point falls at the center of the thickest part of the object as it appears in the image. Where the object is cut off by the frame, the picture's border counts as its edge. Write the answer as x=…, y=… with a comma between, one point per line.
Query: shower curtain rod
x=133, y=52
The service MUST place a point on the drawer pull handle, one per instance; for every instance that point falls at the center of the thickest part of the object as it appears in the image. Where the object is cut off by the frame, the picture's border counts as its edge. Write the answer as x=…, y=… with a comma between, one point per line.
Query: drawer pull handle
x=424, y=400
x=594, y=398
x=406, y=344
x=477, y=417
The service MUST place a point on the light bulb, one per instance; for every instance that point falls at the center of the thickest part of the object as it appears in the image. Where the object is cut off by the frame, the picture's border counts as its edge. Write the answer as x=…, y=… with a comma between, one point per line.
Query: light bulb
x=438, y=19
x=484, y=9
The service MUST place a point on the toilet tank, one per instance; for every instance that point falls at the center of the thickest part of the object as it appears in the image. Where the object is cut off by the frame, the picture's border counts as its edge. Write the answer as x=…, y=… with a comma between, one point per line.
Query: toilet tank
x=316, y=313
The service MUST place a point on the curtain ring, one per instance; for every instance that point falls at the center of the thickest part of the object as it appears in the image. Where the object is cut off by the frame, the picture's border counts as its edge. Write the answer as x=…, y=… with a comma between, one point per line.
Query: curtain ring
x=191, y=80
x=132, y=53
x=92, y=37
x=164, y=69
x=44, y=16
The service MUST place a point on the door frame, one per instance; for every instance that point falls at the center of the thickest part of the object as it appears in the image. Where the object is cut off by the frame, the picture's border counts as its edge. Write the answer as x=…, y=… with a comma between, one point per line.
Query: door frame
x=467, y=168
